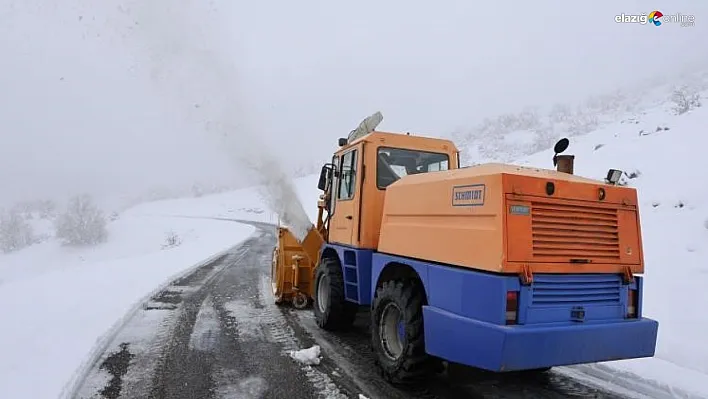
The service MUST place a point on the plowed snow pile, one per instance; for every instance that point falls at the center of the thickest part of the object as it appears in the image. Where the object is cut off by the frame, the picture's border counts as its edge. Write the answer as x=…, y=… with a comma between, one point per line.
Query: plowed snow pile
x=309, y=356
x=665, y=156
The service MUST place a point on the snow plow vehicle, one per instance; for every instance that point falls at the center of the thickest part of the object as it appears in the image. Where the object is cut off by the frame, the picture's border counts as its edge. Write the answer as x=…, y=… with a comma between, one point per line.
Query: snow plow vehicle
x=494, y=266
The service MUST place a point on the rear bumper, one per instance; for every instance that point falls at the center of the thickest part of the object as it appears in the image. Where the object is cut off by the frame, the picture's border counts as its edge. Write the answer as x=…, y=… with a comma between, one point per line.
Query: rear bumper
x=509, y=348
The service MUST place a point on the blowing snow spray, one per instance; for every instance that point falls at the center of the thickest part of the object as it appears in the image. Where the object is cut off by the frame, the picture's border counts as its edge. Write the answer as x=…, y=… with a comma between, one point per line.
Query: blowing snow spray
x=182, y=47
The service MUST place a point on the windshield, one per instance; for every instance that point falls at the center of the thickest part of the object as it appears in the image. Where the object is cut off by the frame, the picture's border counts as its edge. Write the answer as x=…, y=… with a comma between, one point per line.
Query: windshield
x=394, y=163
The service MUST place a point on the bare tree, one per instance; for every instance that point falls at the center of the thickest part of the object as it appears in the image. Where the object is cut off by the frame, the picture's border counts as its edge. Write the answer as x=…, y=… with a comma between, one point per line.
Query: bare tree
x=15, y=232
x=83, y=223
x=171, y=240
x=685, y=99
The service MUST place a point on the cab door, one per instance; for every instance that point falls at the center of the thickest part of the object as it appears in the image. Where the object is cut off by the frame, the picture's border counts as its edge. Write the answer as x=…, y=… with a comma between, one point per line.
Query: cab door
x=347, y=197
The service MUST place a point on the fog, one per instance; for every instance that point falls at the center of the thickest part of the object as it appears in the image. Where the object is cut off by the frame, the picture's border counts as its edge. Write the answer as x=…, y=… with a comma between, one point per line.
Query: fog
x=116, y=97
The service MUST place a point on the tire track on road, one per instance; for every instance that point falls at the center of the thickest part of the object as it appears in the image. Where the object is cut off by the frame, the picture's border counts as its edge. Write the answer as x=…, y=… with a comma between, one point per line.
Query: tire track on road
x=208, y=335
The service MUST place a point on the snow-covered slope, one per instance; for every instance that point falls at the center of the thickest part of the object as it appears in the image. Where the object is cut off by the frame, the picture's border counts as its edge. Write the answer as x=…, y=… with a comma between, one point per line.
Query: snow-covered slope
x=665, y=154
x=58, y=302
x=509, y=137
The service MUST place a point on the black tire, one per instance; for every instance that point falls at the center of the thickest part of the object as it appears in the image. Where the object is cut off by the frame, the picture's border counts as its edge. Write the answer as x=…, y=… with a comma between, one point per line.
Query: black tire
x=412, y=364
x=337, y=313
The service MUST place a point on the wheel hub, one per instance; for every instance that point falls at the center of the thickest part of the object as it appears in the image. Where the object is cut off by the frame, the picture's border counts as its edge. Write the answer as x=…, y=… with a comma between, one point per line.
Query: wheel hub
x=392, y=331
x=300, y=301
x=323, y=293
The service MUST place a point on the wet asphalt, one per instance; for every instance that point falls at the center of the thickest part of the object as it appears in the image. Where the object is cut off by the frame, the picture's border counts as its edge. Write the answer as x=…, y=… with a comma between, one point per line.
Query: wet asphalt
x=215, y=333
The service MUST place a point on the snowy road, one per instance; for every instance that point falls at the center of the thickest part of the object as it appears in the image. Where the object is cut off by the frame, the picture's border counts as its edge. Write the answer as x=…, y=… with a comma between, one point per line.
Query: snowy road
x=217, y=334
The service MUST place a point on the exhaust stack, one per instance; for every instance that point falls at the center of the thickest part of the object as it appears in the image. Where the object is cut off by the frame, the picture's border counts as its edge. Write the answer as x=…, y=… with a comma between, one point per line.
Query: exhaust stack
x=563, y=163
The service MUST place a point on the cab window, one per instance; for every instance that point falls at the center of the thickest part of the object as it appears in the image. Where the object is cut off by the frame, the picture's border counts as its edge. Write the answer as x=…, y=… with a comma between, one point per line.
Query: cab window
x=394, y=163
x=347, y=177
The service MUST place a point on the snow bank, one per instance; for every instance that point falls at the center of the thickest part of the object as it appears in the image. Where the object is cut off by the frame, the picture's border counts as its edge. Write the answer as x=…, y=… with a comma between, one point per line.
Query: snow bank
x=664, y=154
x=57, y=301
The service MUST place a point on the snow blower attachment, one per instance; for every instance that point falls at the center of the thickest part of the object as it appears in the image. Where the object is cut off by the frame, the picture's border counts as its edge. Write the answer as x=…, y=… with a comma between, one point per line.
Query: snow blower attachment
x=294, y=261
x=293, y=265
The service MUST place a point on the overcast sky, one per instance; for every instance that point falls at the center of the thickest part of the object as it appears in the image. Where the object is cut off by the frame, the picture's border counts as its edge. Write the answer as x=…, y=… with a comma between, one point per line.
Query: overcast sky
x=114, y=98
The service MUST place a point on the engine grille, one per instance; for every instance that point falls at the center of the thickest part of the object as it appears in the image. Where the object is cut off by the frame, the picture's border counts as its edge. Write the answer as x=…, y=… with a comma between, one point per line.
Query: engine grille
x=574, y=232
x=576, y=289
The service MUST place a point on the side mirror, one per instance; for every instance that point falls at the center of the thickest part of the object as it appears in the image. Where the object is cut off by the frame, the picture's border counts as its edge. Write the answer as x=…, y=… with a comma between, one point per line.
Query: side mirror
x=325, y=177
x=342, y=141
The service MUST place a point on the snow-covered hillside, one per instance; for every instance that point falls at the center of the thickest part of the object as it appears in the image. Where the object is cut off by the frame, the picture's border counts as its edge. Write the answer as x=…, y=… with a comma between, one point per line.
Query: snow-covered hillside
x=663, y=155
x=509, y=137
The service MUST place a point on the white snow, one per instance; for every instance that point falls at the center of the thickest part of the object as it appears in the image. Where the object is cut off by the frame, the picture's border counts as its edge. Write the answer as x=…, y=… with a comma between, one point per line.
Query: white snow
x=59, y=301
x=309, y=356
x=672, y=184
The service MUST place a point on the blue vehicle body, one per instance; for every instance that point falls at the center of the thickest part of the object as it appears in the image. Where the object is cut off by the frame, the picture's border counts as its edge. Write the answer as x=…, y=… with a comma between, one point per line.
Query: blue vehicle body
x=562, y=319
